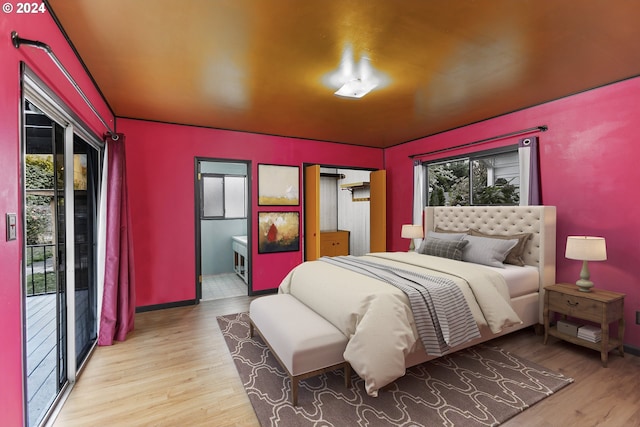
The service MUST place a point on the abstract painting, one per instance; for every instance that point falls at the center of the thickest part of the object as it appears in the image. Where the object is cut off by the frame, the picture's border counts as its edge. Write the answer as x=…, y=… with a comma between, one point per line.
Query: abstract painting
x=278, y=232
x=278, y=185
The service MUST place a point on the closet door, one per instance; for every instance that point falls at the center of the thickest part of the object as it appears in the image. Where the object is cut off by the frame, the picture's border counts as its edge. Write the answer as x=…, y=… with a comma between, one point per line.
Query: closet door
x=378, y=211
x=312, y=212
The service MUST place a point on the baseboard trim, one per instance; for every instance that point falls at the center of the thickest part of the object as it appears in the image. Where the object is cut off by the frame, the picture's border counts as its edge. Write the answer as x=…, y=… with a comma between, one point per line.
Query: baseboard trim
x=175, y=304
x=263, y=292
x=632, y=350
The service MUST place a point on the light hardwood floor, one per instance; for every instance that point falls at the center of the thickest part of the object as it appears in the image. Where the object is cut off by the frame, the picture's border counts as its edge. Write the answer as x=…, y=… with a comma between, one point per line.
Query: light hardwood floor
x=175, y=370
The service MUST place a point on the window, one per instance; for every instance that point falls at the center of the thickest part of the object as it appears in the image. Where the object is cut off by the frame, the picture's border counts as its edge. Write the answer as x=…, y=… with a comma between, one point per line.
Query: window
x=223, y=196
x=483, y=178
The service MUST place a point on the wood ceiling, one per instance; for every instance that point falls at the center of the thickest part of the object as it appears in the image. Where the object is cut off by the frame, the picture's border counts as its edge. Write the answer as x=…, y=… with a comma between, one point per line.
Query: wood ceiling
x=262, y=65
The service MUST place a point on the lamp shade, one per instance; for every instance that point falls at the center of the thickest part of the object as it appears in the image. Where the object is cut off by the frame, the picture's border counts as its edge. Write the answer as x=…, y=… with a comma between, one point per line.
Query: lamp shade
x=410, y=231
x=586, y=248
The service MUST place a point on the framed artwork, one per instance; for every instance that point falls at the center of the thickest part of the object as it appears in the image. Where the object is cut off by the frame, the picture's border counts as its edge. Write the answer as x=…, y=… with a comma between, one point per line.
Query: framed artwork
x=278, y=185
x=278, y=232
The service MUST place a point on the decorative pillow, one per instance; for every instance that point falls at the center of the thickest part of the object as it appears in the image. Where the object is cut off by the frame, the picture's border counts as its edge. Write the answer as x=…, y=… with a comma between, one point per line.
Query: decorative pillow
x=446, y=236
x=451, y=249
x=515, y=255
x=442, y=230
x=442, y=236
x=487, y=251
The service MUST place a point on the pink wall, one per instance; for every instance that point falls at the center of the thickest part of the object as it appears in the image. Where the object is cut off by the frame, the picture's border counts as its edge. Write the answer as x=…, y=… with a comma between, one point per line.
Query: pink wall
x=160, y=169
x=38, y=27
x=588, y=162
x=589, y=166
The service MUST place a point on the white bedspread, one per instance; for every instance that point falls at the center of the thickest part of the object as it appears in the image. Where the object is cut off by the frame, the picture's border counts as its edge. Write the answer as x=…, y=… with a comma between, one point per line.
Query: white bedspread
x=377, y=318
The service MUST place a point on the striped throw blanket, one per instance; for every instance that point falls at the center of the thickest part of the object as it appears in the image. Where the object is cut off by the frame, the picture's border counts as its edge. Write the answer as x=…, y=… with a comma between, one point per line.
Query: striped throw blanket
x=441, y=314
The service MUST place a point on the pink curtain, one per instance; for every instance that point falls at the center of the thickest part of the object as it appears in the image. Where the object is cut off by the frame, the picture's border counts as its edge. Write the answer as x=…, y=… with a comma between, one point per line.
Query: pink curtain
x=118, y=303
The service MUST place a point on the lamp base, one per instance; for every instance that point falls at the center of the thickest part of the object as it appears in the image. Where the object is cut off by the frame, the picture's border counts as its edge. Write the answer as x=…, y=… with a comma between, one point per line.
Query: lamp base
x=584, y=285
x=412, y=246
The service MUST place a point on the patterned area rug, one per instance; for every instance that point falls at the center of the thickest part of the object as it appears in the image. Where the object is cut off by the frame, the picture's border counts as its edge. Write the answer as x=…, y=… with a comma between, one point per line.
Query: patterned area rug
x=480, y=386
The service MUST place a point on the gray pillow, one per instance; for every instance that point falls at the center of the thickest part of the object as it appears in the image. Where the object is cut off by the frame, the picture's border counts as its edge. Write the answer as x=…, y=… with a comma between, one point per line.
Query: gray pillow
x=515, y=255
x=486, y=251
x=451, y=249
x=446, y=236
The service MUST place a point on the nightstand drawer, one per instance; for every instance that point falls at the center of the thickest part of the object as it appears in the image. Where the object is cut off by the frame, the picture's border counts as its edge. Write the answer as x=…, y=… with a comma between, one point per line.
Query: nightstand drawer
x=571, y=305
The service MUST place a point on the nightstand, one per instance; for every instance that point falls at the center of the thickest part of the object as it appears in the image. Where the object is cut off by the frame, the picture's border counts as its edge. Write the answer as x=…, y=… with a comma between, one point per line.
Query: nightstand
x=597, y=306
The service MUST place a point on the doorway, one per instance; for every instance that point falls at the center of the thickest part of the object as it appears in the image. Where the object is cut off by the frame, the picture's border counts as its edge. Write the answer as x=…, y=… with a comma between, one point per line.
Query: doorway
x=61, y=184
x=222, y=229
x=345, y=211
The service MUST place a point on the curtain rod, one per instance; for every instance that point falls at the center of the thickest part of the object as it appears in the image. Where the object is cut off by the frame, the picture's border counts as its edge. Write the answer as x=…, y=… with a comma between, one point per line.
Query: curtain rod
x=18, y=41
x=542, y=128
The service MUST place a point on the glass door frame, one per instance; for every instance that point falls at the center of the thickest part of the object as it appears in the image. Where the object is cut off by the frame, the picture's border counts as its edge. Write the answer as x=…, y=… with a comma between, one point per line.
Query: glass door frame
x=37, y=92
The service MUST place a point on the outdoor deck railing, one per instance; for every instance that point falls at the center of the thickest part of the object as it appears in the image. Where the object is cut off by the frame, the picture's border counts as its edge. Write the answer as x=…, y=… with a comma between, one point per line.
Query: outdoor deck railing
x=41, y=270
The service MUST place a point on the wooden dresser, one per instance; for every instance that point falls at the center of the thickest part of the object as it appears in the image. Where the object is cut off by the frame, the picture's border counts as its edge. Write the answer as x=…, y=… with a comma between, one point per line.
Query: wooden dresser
x=333, y=243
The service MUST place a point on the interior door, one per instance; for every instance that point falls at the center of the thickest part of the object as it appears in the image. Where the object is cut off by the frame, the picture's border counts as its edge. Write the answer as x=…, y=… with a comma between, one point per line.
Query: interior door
x=222, y=218
x=312, y=212
x=378, y=211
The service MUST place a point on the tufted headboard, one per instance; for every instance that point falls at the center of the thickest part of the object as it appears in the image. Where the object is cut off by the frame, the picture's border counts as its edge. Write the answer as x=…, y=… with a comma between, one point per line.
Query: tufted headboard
x=540, y=250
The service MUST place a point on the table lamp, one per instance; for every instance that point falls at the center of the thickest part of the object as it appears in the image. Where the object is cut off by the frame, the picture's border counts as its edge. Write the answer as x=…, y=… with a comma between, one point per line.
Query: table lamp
x=411, y=231
x=586, y=248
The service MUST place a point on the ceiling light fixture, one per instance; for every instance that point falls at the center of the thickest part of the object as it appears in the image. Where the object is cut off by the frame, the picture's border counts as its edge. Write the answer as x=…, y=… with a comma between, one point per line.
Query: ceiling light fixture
x=356, y=88
x=353, y=81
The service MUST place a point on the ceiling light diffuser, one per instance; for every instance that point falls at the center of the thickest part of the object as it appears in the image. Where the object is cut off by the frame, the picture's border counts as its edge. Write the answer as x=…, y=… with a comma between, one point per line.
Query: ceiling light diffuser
x=354, y=80
x=356, y=88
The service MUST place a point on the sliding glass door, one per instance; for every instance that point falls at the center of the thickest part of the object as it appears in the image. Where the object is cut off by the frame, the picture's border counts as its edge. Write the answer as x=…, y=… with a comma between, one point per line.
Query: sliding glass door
x=61, y=192
x=85, y=207
x=45, y=259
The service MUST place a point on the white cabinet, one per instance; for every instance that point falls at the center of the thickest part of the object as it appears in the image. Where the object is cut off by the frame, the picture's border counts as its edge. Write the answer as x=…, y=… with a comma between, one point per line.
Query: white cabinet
x=239, y=246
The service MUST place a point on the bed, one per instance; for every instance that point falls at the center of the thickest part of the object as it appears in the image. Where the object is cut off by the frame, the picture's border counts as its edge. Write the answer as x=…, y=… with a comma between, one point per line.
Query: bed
x=377, y=318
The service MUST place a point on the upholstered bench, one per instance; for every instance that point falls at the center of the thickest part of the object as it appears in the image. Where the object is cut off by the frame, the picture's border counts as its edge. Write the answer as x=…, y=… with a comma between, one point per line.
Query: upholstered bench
x=304, y=343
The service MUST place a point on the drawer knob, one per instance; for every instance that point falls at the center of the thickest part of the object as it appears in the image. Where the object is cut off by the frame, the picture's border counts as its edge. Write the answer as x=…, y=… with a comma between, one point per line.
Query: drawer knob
x=572, y=304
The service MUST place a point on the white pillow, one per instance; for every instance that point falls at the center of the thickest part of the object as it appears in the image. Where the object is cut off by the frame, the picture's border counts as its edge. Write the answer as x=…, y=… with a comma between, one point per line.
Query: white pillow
x=487, y=251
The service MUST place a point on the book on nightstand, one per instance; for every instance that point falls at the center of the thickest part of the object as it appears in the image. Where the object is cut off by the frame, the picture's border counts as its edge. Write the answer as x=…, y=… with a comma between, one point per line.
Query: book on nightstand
x=590, y=333
x=568, y=327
